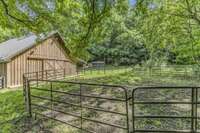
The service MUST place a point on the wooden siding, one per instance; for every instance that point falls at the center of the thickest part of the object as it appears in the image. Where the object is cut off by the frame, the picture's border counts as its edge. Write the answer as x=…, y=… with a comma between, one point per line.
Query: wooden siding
x=48, y=49
x=3, y=70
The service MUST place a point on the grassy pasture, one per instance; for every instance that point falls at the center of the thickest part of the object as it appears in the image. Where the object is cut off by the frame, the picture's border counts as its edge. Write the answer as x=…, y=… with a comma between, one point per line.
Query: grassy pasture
x=13, y=116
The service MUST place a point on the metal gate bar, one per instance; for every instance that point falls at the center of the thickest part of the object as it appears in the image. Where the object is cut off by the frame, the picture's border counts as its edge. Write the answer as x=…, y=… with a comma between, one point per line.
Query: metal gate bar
x=194, y=116
x=2, y=82
x=80, y=105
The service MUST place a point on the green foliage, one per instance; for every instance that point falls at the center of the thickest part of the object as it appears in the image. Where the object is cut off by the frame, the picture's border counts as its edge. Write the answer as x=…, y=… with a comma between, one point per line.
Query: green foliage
x=172, y=27
x=122, y=43
x=165, y=30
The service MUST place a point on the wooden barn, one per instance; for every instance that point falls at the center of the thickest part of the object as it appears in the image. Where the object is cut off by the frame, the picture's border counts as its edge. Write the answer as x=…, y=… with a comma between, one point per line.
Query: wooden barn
x=33, y=54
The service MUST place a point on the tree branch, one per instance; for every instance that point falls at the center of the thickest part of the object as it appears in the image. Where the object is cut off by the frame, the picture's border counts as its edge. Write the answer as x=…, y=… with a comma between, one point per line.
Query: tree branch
x=29, y=24
x=192, y=14
x=8, y=13
x=94, y=18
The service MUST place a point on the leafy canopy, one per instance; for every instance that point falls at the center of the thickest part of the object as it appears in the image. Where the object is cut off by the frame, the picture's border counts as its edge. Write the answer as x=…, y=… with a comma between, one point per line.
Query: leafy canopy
x=149, y=30
x=74, y=19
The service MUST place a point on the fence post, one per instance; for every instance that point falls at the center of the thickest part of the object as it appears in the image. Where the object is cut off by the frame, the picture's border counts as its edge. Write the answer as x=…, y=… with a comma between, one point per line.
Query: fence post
x=55, y=73
x=64, y=73
x=81, y=107
x=3, y=80
x=46, y=75
x=149, y=71
x=42, y=75
x=24, y=88
x=51, y=95
x=133, y=110
x=160, y=70
x=37, y=77
x=127, y=113
x=83, y=70
x=28, y=97
x=77, y=71
x=104, y=69
x=194, y=115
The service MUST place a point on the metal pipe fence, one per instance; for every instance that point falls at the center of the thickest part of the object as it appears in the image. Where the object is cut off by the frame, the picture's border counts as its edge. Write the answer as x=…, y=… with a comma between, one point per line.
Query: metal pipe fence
x=2, y=82
x=53, y=97
x=71, y=100
x=63, y=74
x=184, y=71
x=191, y=117
x=103, y=69
x=54, y=92
x=48, y=74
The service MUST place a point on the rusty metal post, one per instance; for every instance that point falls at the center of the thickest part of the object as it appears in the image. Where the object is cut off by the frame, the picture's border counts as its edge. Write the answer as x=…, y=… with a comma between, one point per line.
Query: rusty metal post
x=104, y=69
x=37, y=77
x=185, y=71
x=2, y=82
x=28, y=98
x=64, y=73
x=24, y=90
x=51, y=96
x=194, y=99
x=55, y=74
x=46, y=75
x=133, y=110
x=81, y=106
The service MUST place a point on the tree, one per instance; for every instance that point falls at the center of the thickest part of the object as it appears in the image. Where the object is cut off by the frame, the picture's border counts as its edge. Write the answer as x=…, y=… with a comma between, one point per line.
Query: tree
x=75, y=20
x=122, y=43
x=172, y=26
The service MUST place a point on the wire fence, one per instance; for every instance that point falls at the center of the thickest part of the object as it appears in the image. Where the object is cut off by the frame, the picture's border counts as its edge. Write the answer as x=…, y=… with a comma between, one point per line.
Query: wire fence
x=103, y=69
x=154, y=75
x=81, y=73
x=186, y=71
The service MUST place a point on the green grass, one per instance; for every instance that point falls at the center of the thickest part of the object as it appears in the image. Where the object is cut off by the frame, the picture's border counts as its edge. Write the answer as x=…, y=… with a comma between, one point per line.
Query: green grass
x=11, y=109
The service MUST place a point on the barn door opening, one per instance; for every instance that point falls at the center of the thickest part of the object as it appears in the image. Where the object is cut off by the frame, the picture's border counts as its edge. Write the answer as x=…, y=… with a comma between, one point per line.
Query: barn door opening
x=42, y=65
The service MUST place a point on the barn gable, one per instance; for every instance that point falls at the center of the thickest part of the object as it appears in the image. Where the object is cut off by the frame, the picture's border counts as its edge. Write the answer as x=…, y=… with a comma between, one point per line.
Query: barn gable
x=50, y=48
x=46, y=54
x=14, y=47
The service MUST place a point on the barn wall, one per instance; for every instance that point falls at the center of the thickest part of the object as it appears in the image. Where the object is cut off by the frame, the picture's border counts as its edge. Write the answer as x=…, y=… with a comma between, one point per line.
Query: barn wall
x=15, y=69
x=50, y=48
x=3, y=70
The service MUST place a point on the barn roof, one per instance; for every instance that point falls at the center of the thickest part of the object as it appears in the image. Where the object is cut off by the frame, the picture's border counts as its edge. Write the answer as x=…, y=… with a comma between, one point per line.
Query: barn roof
x=13, y=47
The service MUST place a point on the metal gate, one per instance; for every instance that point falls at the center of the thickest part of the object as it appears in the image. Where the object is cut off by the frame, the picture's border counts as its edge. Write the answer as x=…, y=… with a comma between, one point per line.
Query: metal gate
x=154, y=109
x=87, y=105
x=2, y=82
x=185, y=98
